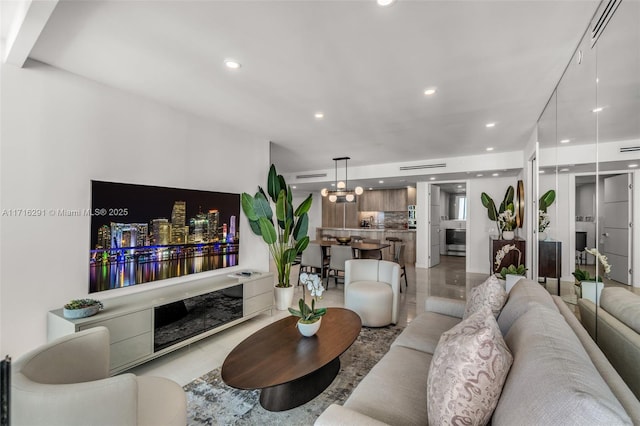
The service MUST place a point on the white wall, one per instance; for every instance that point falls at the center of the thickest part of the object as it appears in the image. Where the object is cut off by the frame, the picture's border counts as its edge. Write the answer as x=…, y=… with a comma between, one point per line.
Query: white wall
x=60, y=131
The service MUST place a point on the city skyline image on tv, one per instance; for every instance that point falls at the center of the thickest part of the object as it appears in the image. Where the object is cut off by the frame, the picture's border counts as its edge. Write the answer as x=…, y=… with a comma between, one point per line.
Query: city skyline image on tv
x=142, y=233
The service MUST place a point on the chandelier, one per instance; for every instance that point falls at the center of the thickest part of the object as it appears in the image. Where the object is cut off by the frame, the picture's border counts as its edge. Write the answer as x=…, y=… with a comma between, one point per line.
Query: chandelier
x=342, y=193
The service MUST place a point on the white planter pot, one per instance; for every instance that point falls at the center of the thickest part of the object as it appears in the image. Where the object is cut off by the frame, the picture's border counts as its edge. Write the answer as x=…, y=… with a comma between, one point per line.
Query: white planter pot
x=284, y=297
x=309, y=330
x=508, y=235
x=511, y=280
x=591, y=291
x=542, y=236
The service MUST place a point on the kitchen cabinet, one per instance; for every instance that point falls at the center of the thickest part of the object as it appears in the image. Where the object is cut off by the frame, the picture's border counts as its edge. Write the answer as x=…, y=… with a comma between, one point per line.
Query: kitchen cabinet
x=339, y=215
x=386, y=200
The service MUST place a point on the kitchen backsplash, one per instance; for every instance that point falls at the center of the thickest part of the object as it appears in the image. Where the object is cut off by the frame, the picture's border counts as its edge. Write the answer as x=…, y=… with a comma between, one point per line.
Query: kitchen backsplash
x=391, y=220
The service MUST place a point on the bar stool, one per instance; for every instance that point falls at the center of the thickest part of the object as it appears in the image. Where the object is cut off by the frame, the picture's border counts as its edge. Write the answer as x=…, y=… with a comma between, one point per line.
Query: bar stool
x=399, y=259
x=392, y=248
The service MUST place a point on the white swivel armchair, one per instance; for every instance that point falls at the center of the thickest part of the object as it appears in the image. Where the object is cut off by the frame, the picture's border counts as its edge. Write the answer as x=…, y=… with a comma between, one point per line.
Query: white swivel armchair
x=372, y=290
x=66, y=382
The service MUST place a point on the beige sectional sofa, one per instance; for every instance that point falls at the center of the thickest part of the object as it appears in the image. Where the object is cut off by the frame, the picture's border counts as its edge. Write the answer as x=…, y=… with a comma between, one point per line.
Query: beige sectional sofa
x=618, y=331
x=558, y=375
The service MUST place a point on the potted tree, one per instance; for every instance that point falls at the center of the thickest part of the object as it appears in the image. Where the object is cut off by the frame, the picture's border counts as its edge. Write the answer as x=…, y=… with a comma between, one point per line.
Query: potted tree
x=285, y=235
x=493, y=212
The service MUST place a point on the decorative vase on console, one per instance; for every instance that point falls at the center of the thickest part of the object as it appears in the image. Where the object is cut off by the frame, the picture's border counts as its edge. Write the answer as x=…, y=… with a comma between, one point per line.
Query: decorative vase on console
x=310, y=317
x=587, y=286
x=507, y=221
x=289, y=238
x=543, y=223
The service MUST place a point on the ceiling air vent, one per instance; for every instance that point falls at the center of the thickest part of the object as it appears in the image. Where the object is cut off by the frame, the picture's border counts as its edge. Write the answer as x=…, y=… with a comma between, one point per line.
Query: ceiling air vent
x=608, y=7
x=424, y=166
x=630, y=149
x=317, y=175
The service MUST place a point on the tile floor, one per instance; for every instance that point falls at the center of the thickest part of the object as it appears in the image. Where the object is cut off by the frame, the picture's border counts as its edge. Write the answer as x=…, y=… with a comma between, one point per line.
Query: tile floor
x=445, y=280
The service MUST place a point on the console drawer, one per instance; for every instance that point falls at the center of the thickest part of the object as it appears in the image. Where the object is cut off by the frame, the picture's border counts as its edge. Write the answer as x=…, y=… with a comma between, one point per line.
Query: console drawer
x=258, y=303
x=125, y=326
x=129, y=350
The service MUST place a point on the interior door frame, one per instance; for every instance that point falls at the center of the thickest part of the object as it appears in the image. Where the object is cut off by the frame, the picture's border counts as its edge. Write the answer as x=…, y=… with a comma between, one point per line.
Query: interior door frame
x=467, y=225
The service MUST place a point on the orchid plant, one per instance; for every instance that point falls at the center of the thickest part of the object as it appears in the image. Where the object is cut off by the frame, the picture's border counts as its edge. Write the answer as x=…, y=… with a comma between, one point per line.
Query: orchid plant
x=506, y=220
x=543, y=220
x=511, y=269
x=308, y=314
x=582, y=275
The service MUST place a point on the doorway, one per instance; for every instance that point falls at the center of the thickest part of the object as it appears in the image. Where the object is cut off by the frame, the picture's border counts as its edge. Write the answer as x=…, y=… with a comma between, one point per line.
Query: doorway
x=447, y=230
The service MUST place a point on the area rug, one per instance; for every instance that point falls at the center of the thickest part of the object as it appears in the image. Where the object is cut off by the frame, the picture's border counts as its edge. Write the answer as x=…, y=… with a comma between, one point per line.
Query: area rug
x=211, y=402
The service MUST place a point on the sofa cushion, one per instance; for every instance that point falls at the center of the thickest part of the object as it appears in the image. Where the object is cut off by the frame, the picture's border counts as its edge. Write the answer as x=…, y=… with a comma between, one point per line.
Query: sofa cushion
x=552, y=379
x=524, y=295
x=490, y=293
x=623, y=305
x=424, y=331
x=467, y=372
x=393, y=391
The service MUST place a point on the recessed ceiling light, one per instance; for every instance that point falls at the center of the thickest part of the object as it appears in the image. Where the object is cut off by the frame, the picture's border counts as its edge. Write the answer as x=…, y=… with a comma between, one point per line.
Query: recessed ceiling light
x=432, y=178
x=459, y=186
x=565, y=141
x=490, y=148
x=490, y=125
x=479, y=175
x=384, y=2
x=597, y=109
x=564, y=170
x=632, y=165
x=319, y=115
x=541, y=172
x=430, y=91
x=333, y=184
x=370, y=189
x=495, y=174
x=380, y=181
x=294, y=187
x=232, y=63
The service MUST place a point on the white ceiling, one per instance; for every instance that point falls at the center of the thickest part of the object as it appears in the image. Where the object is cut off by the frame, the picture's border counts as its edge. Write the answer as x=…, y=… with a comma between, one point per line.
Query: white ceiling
x=364, y=66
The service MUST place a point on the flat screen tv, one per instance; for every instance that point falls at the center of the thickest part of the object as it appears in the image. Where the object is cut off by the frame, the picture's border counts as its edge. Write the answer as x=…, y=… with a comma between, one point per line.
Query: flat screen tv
x=141, y=234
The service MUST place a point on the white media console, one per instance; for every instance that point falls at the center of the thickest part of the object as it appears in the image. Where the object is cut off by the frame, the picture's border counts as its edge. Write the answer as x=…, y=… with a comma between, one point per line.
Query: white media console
x=149, y=324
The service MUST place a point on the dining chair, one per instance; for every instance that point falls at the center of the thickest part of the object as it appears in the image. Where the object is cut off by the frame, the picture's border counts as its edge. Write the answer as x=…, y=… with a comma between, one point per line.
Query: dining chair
x=313, y=260
x=399, y=259
x=339, y=255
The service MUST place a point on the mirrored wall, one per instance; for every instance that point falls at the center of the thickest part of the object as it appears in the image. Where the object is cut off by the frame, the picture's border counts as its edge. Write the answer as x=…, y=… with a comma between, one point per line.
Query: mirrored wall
x=589, y=154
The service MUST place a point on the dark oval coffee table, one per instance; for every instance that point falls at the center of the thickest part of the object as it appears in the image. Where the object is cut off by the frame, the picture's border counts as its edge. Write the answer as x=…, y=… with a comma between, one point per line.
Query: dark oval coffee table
x=289, y=368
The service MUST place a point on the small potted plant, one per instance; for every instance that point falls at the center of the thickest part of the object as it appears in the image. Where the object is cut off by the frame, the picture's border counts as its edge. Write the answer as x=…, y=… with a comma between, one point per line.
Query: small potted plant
x=82, y=308
x=310, y=317
x=512, y=273
x=588, y=286
x=506, y=222
x=543, y=223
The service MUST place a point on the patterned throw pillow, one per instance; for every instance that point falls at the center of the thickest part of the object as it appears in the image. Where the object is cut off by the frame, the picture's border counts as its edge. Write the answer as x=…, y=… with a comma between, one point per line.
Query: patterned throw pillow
x=467, y=372
x=490, y=294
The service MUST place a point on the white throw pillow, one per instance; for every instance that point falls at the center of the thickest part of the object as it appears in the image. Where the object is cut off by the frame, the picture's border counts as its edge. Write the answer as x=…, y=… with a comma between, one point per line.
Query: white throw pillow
x=488, y=294
x=467, y=372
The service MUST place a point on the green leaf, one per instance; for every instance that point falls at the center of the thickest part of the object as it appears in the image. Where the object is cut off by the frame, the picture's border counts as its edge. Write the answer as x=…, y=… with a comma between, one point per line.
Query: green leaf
x=268, y=231
x=304, y=206
x=273, y=183
x=487, y=201
x=302, y=244
x=262, y=207
x=295, y=313
x=255, y=227
x=281, y=206
x=289, y=255
x=247, y=206
x=546, y=200
x=301, y=228
x=321, y=311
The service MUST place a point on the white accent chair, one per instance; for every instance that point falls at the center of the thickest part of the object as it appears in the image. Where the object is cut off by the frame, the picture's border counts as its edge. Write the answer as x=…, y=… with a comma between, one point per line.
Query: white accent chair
x=372, y=290
x=66, y=382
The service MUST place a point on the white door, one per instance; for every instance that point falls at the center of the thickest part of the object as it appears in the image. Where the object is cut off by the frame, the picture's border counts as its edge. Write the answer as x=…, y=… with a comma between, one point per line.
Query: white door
x=616, y=231
x=434, y=225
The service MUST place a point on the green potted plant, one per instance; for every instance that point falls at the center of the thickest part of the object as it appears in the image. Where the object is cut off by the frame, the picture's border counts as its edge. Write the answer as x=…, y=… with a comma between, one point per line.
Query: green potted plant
x=507, y=223
x=493, y=212
x=512, y=273
x=310, y=317
x=543, y=217
x=285, y=234
x=589, y=286
x=82, y=308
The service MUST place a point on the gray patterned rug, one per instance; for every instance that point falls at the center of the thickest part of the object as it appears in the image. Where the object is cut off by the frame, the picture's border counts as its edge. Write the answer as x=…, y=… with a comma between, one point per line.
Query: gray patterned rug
x=211, y=402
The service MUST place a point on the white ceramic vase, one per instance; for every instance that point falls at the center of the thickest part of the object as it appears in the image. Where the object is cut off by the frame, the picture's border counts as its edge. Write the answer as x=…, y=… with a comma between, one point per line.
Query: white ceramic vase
x=508, y=235
x=591, y=291
x=284, y=297
x=511, y=280
x=309, y=330
x=542, y=236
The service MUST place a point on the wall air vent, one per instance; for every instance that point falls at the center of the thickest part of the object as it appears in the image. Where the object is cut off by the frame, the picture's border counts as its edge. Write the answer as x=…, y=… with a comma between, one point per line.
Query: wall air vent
x=317, y=175
x=424, y=166
x=630, y=149
x=607, y=8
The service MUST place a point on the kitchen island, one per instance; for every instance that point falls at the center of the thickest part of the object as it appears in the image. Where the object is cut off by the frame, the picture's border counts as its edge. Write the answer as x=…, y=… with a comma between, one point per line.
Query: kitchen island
x=408, y=237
